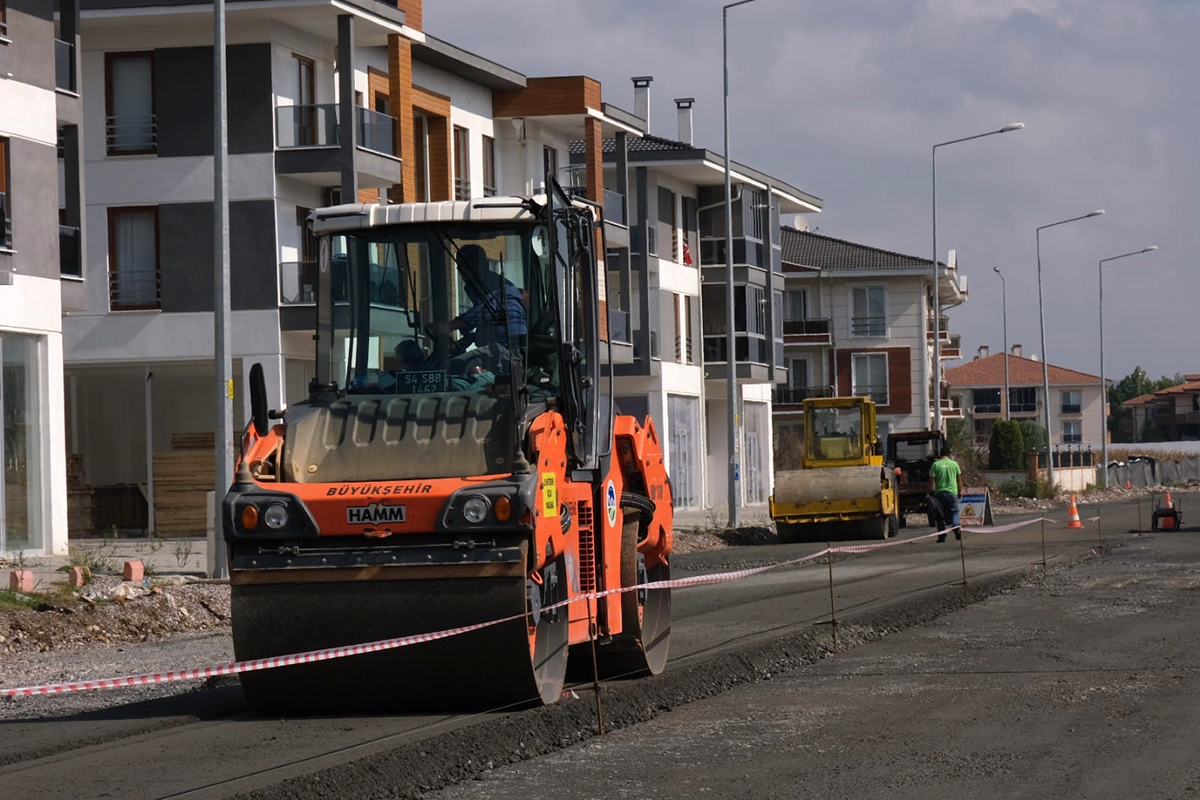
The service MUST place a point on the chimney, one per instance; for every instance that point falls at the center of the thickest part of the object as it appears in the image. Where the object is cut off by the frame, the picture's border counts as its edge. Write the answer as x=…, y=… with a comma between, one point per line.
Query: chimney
x=1035, y=357
x=684, y=105
x=1016, y=350
x=983, y=352
x=641, y=97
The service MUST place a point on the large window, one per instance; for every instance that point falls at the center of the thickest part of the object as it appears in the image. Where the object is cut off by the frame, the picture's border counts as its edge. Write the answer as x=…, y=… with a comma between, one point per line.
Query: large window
x=756, y=428
x=1022, y=400
x=133, y=276
x=1072, y=432
x=129, y=123
x=870, y=376
x=796, y=304
x=5, y=197
x=985, y=401
x=462, y=163
x=489, y=167
x=684, y=450
x=21, y=474
x=868, y=311
x=1072, y=402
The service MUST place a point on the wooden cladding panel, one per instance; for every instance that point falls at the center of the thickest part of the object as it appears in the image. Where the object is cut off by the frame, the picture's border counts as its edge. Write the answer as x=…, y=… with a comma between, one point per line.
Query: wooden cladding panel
x=401, y=94
x=543, y=97
x=440, y=177
x=412, y=13
x=899, y=377
x=430, y=102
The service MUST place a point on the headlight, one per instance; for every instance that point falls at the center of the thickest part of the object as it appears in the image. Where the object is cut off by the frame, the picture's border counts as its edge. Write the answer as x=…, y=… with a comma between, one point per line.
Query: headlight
x=276, y=516
x=474, y=510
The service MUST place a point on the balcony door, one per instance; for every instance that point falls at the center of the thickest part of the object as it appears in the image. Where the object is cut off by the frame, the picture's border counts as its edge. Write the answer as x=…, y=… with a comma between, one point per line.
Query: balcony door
x=129, y=124
x=306, y=100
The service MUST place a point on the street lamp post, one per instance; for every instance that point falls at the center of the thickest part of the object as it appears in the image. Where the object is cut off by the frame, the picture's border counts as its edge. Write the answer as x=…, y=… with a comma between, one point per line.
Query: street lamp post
x=1004, y=313
x=735, y=494
x=937, y=304
x=1046, y=361
x=1103, y=388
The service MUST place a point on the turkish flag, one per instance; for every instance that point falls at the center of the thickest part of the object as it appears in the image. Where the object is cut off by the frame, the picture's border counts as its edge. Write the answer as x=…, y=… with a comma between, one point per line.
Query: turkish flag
x=687, y=254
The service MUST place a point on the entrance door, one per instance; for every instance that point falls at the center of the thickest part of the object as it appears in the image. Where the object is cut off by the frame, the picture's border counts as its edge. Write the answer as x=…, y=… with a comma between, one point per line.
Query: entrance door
x=684, y=451
x=20, y=445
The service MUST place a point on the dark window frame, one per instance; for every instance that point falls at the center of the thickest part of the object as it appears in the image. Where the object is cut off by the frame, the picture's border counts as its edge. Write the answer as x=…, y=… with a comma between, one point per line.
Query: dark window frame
x=109, y=59
x=4, y=18
x=460, y=139
x=489, y=166
x=114, y=268
x=5, y=194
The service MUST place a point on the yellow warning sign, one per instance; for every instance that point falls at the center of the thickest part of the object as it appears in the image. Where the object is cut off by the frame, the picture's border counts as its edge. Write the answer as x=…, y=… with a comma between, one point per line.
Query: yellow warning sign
x=549, y=495
x=968, y=511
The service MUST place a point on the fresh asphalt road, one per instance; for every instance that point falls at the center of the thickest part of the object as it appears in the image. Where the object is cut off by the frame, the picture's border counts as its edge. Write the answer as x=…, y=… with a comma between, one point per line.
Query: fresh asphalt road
x=1084, y=686
x=206, y=745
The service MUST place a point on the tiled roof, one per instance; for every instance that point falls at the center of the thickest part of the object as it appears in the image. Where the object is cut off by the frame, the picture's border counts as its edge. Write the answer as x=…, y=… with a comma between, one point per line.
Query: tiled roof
x=1021, y=372
x=647, y=143
x=1139, y=401
x=806, y=249
x=1192, y=384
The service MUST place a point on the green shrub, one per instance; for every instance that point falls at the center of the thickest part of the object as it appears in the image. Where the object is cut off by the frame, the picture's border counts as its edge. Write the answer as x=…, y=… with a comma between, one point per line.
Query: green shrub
x=1015, y=487
x=1032, y=434
x=1006, y=447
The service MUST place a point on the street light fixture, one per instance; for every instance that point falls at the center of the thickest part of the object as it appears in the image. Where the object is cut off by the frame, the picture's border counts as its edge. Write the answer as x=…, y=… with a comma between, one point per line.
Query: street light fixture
x=1103, y=388
x=1046, y=361
x=735, y=494
x=1004, y=313
x=937, y=303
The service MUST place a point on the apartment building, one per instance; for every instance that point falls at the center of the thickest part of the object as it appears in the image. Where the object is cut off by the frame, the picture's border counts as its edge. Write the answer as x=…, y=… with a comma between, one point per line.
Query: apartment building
x=858, y=320
x=41, y=232
x=1168, y=415
x=430, y=122
x=668, y=291
x=1077, y=405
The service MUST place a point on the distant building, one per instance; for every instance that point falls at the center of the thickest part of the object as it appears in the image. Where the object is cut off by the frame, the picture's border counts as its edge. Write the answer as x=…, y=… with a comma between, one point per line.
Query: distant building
x=1076, y=402
x=1168, y=415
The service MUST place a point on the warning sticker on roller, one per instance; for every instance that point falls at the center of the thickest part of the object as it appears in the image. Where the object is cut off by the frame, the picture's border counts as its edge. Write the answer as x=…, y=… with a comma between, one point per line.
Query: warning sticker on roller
x=549, y=495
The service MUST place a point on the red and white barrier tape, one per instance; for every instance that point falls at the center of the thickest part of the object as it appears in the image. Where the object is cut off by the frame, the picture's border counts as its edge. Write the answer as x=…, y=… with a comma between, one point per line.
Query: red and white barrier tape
x=328, y=654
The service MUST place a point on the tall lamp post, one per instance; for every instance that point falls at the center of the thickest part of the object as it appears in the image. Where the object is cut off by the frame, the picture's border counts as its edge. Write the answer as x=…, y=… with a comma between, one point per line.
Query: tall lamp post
x=937, y=301
x=735, y=493
x=1046, y=361
x=1103, y=388
x=1004, y=313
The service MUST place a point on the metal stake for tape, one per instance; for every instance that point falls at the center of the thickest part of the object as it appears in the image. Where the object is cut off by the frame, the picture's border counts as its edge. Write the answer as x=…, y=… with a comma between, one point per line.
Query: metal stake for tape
x=1043, y=548
x=963, y=557
x=1139, y=502
x=595, y=670
x=1099, y=528
x=832, y=604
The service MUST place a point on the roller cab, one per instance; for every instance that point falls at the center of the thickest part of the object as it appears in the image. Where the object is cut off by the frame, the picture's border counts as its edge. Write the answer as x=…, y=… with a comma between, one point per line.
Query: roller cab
x=457, y=461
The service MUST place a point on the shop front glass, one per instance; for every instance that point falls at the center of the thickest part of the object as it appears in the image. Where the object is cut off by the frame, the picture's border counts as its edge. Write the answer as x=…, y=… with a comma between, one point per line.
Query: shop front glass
x=20, y=480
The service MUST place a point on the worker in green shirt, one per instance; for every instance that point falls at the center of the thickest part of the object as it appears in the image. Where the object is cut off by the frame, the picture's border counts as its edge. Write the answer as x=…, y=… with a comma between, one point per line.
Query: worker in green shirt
x=945, y=487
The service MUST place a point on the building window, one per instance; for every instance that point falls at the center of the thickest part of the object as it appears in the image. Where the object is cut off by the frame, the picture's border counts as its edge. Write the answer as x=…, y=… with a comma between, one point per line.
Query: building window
x=1072, y=432
x=549, y=163
x=421, y=156
x=1072, y=402
x=133, y=275
x=5, y=197
x=462, y=163
x=3, y=18
x=129, y=123
x=489, y=167
x=22, y=476
x=1022, y=400
x=985, y=401
x=868, y=311
x=796, y=304
x=870, y=376
x=755, y=430
x=668, y=230
x=684, y=450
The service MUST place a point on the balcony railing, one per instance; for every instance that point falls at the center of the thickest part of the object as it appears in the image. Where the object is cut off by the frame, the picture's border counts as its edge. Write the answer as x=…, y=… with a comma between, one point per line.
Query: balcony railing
x=462, y=189
x=306, y=126
x=877, y=392
x=131, y=134
x=868, y=326
x=68, y=251
x=794, y=327
x=618, y=326
x=1023, y=408
x=297, y=283
x=614, y=207
x=376, y=131
x=791, y=395
x=986, y=408
x=130, y=289
x=64, y=65
x=5, y=222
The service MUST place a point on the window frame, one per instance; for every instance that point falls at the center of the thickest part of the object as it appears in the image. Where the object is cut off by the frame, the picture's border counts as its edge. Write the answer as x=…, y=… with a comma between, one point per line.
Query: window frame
x=789, y=295
x=1072, y=438
x=114, y=268
x=109, y=59
x=6, y=242
x=854, y=384
x=867, y=287
x=489, y=166
x=4, y=19
x=1065, y=407
x=460, y=140
x=549, y=163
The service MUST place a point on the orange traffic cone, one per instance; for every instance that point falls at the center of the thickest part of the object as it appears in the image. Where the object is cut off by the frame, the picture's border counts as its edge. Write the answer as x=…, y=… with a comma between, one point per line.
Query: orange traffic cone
x=1073, y=515
x=1169, y=504
x=1128, y=484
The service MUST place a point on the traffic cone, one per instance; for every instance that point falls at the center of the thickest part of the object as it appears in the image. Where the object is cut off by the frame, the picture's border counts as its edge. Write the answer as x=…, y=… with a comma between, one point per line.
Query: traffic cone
x=1128, y=484
x=1073, y=516
x=1170, y=505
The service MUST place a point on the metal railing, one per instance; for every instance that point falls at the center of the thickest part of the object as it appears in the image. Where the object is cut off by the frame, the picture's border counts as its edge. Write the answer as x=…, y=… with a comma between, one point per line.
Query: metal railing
x=955, y=341
x=943, y=327
x=5, y=222
x=1068, y=457
x=462, y=188
x=64, y=65
x=376, y=131
x=877, y=392
x=297, y=283
x=1072, y=408
x=985, y=408
x=785, y=395
x=131, y=134
x=68, y=251
x=868, y=326
x=1023, y=408
x=618, y=326
x=134, y=289
x=614, y=207
x=306, y=126
x=792, y=327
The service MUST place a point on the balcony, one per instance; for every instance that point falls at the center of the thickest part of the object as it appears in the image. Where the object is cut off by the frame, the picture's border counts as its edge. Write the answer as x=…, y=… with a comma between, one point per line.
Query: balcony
x=614, y=208
x=1024, y=408
x=807, y=331
x=618, y=326
x=307, y=142
x=134, y=289
x=64, y=65
x=985, y=409
x=954, y=348
x=1072, y=408
x=943, y=328
x=376, y=131
x=131, y=134
x=794, y=395
x=868, y=326
x=297, y=283
x=68, y=251
x=306, y=126
x=462, y=188
x=5, y=223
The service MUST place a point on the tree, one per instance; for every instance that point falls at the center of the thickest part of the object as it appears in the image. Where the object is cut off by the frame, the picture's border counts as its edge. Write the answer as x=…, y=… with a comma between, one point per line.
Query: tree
x=1135, y=384
x=1006, y=447
x=1032, y=435
x=956, y=436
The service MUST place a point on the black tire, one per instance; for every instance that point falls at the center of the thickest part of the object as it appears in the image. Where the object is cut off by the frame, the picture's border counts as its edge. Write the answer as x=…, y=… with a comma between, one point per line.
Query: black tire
x=790, y=532
x=893, y=526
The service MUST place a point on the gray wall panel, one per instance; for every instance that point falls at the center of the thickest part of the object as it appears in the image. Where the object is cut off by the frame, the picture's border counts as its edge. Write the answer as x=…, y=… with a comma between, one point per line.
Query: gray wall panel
x=185, y=233
x=29, y=56
x=33, y=201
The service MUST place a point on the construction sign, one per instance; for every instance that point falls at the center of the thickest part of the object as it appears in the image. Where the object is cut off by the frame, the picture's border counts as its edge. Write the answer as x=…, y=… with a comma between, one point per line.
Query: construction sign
x=975, y=507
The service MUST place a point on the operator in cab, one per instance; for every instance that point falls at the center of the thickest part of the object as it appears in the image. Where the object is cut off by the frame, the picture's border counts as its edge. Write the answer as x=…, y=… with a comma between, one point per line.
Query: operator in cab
x=495, y=302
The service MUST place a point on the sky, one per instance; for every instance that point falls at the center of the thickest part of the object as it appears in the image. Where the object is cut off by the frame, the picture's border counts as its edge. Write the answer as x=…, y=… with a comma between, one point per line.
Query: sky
x=844, y=99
